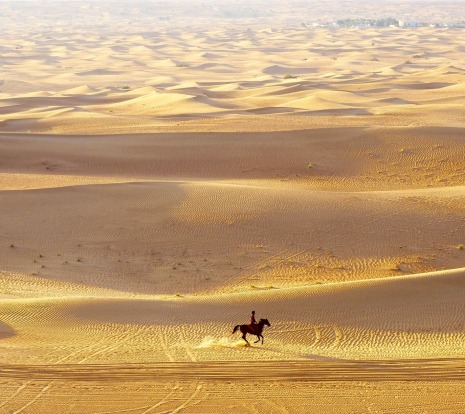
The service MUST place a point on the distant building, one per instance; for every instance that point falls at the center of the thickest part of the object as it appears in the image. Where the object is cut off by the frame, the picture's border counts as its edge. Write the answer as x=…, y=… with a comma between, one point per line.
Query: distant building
x=408, y=23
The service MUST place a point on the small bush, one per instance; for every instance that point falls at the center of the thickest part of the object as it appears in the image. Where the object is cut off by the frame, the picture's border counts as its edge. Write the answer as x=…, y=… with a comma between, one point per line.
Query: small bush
x=289, y=76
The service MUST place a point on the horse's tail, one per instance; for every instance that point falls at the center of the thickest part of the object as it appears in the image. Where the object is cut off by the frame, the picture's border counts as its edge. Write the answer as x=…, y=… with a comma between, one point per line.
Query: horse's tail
x=236, y=328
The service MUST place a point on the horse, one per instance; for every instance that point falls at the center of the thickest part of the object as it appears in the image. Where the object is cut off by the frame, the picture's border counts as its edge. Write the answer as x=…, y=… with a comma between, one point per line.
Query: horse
x=253, y=330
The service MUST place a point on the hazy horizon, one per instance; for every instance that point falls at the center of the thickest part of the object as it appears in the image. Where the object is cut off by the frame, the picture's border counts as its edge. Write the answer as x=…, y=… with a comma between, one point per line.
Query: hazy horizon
x=94, y=13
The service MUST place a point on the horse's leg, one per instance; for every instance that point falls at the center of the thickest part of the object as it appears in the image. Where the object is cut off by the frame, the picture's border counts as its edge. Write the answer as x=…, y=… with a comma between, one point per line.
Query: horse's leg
x=243, y=337
x=263, y=339
x=258, y=339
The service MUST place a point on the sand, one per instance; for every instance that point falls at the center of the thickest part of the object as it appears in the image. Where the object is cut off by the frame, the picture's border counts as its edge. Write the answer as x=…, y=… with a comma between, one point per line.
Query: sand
x=158, y=182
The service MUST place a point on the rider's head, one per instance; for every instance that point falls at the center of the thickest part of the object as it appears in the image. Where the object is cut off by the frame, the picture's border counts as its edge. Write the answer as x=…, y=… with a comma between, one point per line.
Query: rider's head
x=253, y=312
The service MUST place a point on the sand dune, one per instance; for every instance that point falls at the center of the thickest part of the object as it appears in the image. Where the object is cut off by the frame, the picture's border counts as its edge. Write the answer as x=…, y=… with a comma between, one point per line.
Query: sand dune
x=387, y=319
x=314, y=103
x=163, y=175
x=318, y=60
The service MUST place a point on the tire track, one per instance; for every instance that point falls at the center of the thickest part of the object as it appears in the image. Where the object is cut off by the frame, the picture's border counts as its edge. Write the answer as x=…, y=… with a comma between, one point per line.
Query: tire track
x=49, y=385
x=81, y=350
x=109, y=348
x=164, y=400
x=45, y=389
x=17, y=392
x=187, y=402
x=198, y=386
x=164, y=344
x=147, y=408
x=275, y=406
x=185, y=346
x=35, y=399
x=295, y=370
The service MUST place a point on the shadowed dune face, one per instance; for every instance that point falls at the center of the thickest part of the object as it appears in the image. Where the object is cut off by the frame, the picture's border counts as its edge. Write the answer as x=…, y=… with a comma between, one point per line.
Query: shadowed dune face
x=6, y=331
x=166, y=168
x=354, y=159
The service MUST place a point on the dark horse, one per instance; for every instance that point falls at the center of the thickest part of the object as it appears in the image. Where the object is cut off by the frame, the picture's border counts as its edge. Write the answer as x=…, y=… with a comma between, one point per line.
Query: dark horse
x=253, y=330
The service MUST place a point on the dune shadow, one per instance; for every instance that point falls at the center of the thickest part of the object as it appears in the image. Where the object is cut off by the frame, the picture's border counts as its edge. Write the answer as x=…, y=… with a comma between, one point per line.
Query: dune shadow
x=6, y=331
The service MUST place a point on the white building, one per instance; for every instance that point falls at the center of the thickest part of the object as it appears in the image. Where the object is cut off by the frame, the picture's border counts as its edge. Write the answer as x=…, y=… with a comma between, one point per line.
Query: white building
x=408, y=23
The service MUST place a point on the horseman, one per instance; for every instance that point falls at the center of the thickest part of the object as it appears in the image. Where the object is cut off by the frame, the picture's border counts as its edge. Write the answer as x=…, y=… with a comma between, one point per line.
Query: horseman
x=253, y=328
x=253, y=322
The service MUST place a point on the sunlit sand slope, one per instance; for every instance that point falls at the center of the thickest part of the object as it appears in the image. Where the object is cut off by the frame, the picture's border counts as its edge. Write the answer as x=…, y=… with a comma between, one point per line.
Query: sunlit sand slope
x=390, y=330
x=394, y=318
x=168, y=237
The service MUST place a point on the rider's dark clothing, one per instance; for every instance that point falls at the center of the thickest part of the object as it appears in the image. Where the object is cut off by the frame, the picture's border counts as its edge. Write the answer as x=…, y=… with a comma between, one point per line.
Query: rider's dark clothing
x=253, y=322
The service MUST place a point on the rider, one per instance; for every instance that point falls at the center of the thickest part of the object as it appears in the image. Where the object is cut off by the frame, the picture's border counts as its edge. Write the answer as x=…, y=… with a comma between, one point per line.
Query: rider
x=253, y=322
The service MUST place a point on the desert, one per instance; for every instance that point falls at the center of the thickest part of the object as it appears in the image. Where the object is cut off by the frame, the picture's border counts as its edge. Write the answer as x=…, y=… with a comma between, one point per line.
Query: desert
x=168, y=167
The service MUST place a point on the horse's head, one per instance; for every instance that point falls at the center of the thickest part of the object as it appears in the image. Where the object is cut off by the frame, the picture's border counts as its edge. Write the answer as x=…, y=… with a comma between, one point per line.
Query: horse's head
x=265, y=322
